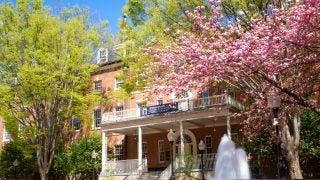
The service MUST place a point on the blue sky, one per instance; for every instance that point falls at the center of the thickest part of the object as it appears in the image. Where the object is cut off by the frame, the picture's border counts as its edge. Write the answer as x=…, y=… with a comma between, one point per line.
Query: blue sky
x=100, y=10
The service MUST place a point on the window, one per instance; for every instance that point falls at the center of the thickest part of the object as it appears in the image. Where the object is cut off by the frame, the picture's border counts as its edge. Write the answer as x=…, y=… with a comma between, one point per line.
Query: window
x=75, y=123
x=102, y=55
x=97, y=118
x=160, y=102
x=118, y=83
x=184, y=94
x=142, y=105
x=119, y=111
x=142, y=108
x=6, y=135
x=161, y=153
x=118, y=152
x=208, y=142
x=98, y=86
x=144, y=149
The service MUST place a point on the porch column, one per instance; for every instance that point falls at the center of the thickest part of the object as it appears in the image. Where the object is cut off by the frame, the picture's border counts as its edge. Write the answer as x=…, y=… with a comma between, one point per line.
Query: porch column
x=104, y=152
x=182, y=145
x=228, y=126
x=139, y=148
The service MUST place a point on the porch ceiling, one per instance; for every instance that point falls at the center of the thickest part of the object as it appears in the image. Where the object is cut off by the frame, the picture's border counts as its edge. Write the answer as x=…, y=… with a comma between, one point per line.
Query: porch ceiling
x=160, y=124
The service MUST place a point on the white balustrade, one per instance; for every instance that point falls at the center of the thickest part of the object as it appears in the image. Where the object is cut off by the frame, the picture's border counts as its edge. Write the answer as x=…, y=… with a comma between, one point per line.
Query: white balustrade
x=183, y=105
x=125, y=167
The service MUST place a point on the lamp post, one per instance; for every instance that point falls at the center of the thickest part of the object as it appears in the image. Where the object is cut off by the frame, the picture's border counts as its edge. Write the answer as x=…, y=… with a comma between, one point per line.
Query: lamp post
x=94, y=156
x=15, y=164
x=171, y=137
x=201, y=147
x=274, y=102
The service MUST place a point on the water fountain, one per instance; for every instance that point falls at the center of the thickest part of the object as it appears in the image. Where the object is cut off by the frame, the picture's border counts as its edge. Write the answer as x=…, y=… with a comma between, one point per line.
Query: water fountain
x=231, y=162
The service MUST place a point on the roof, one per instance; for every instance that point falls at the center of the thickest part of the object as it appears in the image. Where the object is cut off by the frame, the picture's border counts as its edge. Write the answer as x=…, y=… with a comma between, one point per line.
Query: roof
x=108, y=67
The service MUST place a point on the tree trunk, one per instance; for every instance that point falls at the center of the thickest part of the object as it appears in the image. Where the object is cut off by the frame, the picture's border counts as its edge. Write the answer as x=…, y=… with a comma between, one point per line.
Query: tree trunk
x=43, y=175
x=290, y=144
x=294, y=166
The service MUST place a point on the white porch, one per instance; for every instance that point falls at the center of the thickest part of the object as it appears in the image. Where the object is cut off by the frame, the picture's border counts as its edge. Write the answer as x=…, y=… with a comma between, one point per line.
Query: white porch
x=182, y=116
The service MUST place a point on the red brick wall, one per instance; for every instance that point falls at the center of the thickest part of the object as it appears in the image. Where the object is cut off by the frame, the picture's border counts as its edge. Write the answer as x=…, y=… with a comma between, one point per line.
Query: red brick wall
x=152, y=140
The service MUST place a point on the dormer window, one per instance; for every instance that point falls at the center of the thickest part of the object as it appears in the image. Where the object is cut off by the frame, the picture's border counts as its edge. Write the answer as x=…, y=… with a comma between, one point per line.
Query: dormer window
x=103, y=55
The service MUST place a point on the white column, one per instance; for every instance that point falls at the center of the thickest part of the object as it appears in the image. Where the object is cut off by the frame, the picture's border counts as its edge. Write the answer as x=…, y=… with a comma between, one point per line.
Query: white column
x=139, y=148
x=182, y=145
x=228, y=126
x=104, y=152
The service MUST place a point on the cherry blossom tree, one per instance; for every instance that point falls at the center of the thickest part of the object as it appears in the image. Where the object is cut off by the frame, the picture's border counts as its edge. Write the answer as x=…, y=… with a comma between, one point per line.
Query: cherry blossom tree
x=279, y=53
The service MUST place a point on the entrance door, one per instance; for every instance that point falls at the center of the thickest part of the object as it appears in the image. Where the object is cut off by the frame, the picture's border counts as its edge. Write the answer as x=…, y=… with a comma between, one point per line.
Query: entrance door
x=188, y=149
x=188, y=145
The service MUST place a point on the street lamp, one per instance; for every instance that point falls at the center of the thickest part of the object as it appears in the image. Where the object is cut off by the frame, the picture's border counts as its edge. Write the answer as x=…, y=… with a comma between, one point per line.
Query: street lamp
x=171, y=137
x=201, y=147
x=274, y=102
x=94, y=156
x=16, y=164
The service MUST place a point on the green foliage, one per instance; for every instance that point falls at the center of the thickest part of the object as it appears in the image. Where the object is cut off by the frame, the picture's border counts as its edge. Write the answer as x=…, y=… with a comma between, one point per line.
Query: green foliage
x=25, y=155
x=45, y=68
x=77, y=159
x=310, y=133
x=147, y=24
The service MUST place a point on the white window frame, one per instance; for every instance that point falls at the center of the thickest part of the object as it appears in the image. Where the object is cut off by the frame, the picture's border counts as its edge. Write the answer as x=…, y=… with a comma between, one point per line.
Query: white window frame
x=97, y=88
x=161, y=151
x=117, y=83
x=160, y=101
x=119, y=111
x=118, y=152
x=102, y=57
x=95, y=125
x=6, y=135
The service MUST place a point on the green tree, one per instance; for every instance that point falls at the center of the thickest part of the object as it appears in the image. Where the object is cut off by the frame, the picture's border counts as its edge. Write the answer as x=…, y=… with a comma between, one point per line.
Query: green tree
x=46, y=77
x=17, y=159
x=145, y=24
x=77, y=160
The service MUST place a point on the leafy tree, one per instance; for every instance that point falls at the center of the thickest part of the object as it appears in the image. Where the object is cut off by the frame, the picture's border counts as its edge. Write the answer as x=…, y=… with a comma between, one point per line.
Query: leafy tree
x=147, y=23
x=280, y=53
x=310, y=133
x=77, y=160
x=21, y=153
x=46, y=77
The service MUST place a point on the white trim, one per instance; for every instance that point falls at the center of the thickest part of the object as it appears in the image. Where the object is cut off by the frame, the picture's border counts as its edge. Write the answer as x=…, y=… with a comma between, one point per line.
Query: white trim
x=194, y=141
x=4, y=139
x=116, y=82
x=164, y=158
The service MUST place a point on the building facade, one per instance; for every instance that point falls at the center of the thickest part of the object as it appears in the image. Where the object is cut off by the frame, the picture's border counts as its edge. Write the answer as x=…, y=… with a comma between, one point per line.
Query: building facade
x=136, y=129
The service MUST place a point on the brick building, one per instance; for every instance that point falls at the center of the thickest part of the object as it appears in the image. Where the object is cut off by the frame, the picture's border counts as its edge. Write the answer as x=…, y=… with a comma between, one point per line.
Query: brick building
x=136, y=129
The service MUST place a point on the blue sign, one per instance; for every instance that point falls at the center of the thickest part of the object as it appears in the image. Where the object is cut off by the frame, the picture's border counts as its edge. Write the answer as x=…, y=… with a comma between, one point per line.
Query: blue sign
x=160, y=109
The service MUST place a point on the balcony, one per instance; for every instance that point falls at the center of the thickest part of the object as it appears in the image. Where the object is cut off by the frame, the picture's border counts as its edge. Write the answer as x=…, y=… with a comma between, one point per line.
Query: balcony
x=182, y=105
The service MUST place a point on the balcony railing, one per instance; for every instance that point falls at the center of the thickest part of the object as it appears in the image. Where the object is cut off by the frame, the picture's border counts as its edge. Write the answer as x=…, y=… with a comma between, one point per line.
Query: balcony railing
x=177, y=106
x=126, y=167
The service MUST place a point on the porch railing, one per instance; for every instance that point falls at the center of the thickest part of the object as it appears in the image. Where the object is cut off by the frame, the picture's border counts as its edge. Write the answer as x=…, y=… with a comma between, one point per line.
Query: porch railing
x=126, y=167
x=193, y=162
x=177, y=106
x=165, y=174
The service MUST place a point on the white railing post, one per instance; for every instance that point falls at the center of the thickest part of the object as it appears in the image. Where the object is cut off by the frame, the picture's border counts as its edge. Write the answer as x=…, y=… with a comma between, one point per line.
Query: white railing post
x=139, y=148
x=104, y=152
